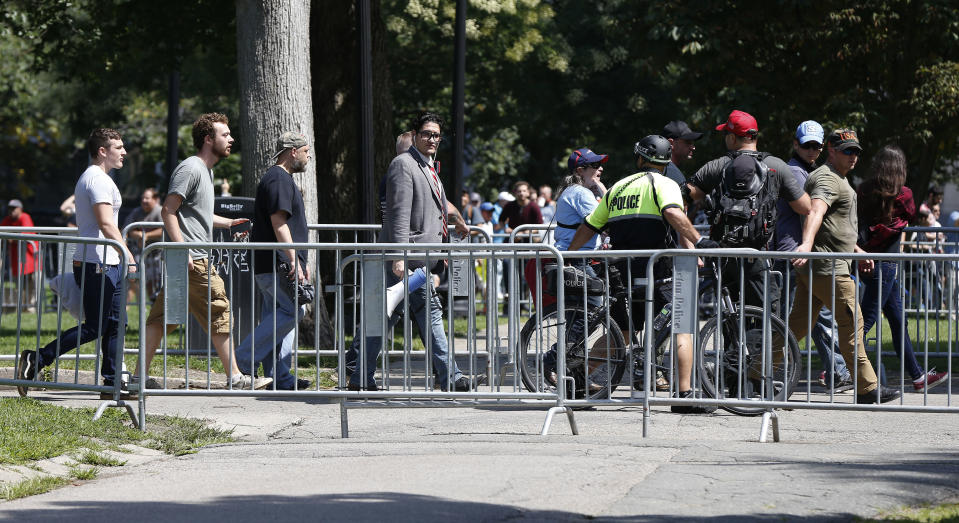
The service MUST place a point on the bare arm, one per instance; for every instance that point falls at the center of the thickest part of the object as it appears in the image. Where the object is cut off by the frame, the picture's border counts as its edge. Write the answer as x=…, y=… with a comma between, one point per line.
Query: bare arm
x=454, y=217
x=810, y=228
x=695, y=193
x=801, y=206
x=171, y=222
x=283, y=235
x=583, y=234
x=678, y=220
x=225, y=223
x=103, y=212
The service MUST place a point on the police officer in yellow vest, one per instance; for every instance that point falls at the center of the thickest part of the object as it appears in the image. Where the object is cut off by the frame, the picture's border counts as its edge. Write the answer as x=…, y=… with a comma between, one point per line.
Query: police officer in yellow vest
x=638, y=212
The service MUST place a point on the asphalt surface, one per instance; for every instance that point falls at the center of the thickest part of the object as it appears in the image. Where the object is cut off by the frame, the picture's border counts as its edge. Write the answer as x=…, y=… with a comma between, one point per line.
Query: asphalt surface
x=488, y=464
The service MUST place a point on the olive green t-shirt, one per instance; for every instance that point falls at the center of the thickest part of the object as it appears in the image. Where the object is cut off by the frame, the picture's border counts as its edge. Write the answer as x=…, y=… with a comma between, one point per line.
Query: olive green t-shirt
x=840, y=224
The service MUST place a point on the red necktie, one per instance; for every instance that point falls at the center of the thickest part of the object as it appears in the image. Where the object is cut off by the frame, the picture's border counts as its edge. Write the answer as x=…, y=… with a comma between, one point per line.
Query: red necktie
x=439, y=198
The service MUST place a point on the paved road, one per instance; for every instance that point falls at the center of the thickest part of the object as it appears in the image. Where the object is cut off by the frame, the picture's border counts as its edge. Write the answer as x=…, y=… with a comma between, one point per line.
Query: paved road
x=491, y=465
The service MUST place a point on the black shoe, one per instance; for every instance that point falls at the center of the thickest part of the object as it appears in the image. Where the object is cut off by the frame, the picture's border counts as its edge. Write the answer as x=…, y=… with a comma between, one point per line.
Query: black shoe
x=125, y=394
x=691, y=409
x=464, y=384
x=301, y=384
x=356, y=388
x=886, y=395
x=26, y=370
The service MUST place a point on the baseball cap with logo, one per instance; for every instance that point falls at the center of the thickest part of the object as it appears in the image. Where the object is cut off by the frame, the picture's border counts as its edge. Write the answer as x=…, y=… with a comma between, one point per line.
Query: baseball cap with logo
x=739, y=123
x=842, y=139
x=810, y=131
x=289, y=140
x=581, y=157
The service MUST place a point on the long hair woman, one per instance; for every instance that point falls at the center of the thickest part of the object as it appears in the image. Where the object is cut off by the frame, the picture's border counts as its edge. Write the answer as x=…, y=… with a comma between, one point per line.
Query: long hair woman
x=886, y=207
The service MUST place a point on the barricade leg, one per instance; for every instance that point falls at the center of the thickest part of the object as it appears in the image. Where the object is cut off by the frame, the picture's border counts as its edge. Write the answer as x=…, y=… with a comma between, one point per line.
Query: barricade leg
x=549, y=419
x=344, y=421
x=114, y=403
x=769, y=418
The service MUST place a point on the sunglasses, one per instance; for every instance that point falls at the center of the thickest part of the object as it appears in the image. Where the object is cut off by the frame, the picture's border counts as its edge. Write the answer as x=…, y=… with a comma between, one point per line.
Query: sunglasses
x=850, y=152
x=811, y=145
x=595, y=165
x=427, y=135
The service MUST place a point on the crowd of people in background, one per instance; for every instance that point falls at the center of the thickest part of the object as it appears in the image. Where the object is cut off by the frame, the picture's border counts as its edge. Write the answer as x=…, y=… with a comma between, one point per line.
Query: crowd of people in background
x=799, y=205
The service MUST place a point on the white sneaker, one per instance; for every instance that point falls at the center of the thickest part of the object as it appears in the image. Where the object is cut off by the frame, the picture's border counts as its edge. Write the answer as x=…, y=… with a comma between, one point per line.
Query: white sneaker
x=247, y=382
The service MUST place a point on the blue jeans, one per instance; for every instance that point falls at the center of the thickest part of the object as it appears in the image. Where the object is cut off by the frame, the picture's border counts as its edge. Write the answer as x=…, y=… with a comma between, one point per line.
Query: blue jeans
x=101, y=318
x=279, y=308
x=824, y=333
x=438, y=345
x=887, y=299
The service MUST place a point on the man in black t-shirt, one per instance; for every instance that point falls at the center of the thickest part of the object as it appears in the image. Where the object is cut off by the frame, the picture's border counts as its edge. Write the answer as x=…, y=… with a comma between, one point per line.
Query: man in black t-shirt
x=279, y=217
x=741, y=134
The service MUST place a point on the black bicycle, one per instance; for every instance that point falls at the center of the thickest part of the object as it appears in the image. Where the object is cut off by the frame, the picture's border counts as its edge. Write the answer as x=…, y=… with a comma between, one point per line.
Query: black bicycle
x=730, y=362
x=597, y=354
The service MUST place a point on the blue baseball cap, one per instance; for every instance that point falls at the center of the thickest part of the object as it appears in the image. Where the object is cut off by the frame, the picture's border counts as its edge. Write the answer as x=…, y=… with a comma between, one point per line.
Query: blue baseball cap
x=810, y=131
x=581, y=157
x=486, y=206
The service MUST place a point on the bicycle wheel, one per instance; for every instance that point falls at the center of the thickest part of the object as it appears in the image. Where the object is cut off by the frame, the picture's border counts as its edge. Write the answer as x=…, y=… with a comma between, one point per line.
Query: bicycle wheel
x=718, y=365
x=600, y=371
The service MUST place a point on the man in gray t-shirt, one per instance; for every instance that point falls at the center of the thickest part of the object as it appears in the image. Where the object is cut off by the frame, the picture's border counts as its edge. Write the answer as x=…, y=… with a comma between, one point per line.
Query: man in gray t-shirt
x=187, y=215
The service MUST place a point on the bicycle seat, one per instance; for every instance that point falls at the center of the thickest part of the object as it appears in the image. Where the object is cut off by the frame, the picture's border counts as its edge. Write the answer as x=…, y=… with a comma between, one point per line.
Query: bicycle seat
x=574, y=280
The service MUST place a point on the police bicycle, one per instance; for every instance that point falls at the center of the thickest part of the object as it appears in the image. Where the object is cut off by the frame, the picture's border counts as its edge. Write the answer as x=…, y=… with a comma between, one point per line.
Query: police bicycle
x=597, y=354
x=729, y=361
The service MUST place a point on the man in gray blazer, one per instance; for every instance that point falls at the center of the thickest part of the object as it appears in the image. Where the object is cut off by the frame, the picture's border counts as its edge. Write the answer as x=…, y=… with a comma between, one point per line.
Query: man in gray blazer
x=416, y=211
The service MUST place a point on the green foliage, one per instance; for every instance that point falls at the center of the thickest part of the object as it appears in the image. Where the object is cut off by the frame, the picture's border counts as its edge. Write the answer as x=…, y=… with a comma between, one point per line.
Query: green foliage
x=92, y=457
x=32, y=487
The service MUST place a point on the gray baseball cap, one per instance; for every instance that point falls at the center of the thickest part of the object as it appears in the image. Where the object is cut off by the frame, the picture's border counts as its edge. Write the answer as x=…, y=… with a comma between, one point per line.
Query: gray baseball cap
x=289, y=140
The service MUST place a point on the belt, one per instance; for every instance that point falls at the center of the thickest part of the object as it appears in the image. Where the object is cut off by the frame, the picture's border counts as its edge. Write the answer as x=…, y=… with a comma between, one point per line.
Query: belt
x=80, y=264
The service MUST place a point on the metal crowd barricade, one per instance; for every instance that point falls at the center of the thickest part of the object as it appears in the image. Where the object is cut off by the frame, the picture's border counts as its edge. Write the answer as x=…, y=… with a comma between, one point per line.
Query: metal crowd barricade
x=769, y=369
x=66, y=371
x=151, y=267
x=368, y=233
x=413, y=386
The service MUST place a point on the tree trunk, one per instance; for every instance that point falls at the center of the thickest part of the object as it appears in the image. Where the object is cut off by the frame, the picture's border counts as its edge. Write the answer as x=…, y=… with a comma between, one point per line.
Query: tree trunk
x=273, y=62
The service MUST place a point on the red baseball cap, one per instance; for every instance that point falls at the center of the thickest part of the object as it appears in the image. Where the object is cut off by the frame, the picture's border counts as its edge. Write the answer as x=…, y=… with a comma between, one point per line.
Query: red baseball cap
x=739, y=123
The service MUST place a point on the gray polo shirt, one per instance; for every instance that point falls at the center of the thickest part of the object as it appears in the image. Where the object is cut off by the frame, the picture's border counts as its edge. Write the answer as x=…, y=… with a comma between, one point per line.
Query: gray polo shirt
x=193, y=182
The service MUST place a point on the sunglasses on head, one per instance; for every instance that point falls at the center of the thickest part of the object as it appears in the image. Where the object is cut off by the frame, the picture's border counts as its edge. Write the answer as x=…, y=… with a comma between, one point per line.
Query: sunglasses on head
x=811, y=145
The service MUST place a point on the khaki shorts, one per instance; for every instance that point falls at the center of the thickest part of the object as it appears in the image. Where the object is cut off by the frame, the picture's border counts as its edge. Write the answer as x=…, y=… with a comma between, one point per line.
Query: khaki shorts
x=200, y=284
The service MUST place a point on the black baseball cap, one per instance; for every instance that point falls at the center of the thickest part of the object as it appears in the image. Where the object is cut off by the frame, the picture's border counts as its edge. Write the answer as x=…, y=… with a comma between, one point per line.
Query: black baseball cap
x=679, y=129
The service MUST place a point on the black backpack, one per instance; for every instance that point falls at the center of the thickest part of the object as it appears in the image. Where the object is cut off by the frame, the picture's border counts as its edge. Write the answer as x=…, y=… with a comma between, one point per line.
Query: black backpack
x=745, y=212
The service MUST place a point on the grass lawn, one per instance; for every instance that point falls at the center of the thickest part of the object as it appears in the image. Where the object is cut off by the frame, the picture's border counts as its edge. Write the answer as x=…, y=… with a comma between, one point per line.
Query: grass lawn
x=32, y=430
x=39, y=329
x=942, y=513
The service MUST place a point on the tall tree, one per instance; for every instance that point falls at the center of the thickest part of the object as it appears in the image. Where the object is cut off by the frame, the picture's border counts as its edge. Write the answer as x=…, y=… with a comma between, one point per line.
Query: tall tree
x=335, y=58
x=273, y=42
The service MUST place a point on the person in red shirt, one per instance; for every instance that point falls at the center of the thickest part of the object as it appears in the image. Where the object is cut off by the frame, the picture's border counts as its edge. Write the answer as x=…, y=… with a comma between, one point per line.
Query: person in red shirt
x=523, y=211
x=16, y=217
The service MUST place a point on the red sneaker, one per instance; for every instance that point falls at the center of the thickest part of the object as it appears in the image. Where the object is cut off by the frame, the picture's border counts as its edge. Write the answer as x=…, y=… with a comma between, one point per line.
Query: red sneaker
x=930, y=380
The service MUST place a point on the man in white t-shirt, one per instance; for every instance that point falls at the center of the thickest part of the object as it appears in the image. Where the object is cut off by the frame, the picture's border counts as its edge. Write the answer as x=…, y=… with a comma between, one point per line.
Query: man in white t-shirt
x=96, y=268
x=187, y=215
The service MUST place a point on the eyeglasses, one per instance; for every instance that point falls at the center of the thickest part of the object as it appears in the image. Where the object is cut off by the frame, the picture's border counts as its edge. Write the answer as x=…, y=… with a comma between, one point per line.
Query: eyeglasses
x=428, y=135
x=811, y=145
x=851, y=151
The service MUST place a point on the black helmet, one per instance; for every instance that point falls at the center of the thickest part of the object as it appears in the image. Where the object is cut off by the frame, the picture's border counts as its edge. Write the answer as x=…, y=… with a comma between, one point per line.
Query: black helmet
x=654, y=148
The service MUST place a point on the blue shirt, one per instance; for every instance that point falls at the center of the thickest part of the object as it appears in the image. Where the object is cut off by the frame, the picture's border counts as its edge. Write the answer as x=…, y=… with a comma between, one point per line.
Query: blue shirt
x=788, y=232
x=574, y=205
x=497, y=210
